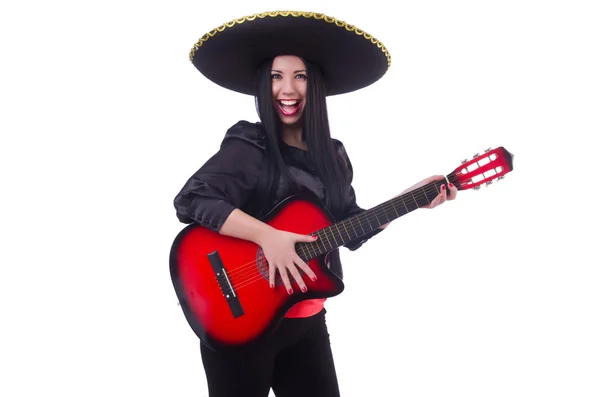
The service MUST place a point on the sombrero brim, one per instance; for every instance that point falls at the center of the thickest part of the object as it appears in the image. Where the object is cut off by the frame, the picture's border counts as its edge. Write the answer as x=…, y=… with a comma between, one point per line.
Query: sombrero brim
x=350, y=58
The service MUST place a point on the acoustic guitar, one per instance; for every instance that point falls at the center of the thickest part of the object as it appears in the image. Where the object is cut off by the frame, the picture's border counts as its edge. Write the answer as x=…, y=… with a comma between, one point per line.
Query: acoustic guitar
x=222, y=283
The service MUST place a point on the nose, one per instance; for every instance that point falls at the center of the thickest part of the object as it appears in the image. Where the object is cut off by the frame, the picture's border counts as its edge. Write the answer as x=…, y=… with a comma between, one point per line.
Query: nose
x=287, y=87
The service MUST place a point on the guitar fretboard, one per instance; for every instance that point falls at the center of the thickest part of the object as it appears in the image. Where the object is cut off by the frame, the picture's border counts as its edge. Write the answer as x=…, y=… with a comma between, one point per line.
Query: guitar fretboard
x=350, y=229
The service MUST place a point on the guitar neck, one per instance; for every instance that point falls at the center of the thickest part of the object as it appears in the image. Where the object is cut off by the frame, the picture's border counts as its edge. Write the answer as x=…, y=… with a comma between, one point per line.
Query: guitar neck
x=350, y=229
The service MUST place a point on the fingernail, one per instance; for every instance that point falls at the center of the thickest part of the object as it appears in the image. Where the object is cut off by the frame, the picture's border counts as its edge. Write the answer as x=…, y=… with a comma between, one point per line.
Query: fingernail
x=315, y=237
x=443, y=187
x=272, y=286
x=314, y=278
x=451, y=185
x=290, y=291
x=303, y=289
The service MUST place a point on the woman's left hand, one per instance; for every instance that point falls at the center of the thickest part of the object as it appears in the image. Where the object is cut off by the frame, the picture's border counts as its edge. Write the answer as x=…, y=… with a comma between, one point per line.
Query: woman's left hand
x=440, y=198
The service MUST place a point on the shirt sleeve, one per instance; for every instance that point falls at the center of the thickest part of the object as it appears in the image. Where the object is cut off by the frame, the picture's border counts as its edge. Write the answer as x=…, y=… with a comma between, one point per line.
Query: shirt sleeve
x=225, y=181
x=352, y=208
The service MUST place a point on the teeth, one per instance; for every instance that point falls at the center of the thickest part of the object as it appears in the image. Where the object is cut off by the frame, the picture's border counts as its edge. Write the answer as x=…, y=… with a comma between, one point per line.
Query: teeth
x=289, y=103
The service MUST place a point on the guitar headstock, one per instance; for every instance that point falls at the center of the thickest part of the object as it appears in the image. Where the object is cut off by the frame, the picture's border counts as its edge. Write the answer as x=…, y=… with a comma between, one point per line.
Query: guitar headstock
x=482, y=169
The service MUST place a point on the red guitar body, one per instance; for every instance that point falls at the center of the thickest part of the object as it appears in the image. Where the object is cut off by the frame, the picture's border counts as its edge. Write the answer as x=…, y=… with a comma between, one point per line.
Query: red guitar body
x=253, y=309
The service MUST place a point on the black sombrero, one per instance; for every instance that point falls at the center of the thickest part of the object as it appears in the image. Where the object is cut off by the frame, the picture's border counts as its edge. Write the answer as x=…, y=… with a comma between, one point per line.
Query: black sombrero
x=230, y=54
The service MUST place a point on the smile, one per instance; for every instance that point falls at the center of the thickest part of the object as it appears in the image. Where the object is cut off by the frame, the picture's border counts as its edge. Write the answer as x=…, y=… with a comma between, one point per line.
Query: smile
x=289, y=107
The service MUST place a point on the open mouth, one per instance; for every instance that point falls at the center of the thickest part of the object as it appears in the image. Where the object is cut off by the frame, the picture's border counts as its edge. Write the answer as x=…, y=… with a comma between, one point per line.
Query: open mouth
x=289, y=107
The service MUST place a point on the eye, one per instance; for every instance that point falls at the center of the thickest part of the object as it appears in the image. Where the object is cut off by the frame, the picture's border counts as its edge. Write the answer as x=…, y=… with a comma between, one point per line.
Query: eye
x=275, y=76
x=302, y=76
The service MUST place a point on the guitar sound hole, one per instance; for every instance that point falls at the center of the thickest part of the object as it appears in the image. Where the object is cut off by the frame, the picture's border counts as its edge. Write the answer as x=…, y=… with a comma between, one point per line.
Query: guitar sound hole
x=263, y=268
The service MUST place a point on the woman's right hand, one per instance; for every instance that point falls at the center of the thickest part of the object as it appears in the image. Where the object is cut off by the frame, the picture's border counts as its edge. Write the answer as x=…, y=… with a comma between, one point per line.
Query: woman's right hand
x=279, y=248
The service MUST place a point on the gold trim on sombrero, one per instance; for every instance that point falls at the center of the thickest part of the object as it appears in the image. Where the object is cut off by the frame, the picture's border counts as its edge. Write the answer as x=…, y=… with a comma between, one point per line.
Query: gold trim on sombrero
x=295, y=14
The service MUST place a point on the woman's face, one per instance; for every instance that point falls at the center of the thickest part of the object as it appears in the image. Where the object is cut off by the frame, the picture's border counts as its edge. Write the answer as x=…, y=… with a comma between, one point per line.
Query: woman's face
x=288, y=80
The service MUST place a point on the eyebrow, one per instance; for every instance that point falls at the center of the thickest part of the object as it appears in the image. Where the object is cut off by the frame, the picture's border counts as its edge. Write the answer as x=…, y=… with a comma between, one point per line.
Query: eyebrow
x=295, y=71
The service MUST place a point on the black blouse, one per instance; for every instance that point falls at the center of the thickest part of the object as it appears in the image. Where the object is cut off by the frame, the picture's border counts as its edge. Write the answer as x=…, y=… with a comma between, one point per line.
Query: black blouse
x=227, y=179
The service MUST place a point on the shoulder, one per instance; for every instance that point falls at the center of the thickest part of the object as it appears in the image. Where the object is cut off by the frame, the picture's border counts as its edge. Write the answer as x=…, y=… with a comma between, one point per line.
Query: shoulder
x=338, y=144
x=341, y=152
x=246, y=132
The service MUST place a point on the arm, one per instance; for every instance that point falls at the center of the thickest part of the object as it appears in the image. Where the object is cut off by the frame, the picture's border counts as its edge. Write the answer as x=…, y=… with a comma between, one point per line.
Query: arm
x=352, y=208
x=243, y=226
x=212, y=195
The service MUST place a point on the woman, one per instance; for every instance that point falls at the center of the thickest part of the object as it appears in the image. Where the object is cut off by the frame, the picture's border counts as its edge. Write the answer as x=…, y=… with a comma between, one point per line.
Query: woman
x=295, y=62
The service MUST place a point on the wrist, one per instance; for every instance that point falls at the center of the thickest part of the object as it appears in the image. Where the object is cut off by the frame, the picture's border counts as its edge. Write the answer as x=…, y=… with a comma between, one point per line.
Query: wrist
x=264, y=233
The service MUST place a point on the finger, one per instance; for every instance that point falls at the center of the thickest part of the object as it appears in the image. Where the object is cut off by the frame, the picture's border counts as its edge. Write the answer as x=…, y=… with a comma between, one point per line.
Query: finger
x=440, y=198
x=272, y=275
x=297, y=276
x=304, y=266
x=306, y=238
x=443, y=195
x=286, y=280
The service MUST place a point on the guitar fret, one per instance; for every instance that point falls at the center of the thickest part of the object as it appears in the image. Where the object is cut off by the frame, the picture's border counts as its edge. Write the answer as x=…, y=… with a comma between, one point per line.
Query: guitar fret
x=329, y=241
x=373, y=220
x=344, y=229
x=333, y=234
x=320, y=240
x=348, y=234
x=394, y=207
x=360, y=224
x=367, y=217
x=386, y=215
x=353, y=228
x=425, y=193
x=401, y=199
x=311, y=246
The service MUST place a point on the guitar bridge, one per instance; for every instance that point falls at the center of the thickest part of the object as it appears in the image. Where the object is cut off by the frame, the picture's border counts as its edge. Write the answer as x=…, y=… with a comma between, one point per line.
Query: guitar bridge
x=225, y=283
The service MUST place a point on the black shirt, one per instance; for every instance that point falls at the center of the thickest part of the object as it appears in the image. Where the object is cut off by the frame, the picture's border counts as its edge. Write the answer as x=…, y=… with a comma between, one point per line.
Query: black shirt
x=227, y=179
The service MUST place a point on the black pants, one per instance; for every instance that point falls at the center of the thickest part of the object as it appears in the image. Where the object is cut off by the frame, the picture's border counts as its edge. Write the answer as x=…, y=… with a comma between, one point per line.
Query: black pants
x=296, y=362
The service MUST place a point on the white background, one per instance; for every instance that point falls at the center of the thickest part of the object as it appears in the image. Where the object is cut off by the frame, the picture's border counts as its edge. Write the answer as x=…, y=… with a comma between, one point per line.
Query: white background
x=103, y=118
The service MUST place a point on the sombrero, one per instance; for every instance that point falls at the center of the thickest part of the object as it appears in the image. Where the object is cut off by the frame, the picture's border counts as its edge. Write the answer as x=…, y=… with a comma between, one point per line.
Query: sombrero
x=350, y=58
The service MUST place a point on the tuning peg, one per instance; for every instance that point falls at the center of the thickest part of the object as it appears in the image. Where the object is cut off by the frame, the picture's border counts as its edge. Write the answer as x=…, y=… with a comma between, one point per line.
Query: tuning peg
x=475, y=155
x=488, y=149
x=488, y=183
x=463, y=161
x=500, y=177
x=477, y=187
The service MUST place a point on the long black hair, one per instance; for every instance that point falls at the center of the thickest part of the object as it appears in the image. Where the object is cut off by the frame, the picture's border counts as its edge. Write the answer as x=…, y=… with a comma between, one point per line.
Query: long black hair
x=321, y=149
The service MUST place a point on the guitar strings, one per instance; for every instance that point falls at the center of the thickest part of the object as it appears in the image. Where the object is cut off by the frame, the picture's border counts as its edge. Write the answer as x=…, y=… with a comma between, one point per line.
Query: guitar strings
x=241, y=273
x=253, y=275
